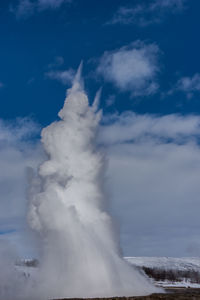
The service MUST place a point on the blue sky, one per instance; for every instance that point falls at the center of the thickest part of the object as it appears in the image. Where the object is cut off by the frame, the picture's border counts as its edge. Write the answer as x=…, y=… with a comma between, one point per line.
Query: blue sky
x=145, y=56
x=80, y=30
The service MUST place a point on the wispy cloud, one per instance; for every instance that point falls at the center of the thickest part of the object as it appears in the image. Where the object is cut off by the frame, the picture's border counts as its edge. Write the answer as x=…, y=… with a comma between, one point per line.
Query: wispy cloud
x=147, y=12
x=65, y=77
x=130, y=127
x=25, y=8
x=58, y=61
x=187, y=85
x=132, y=68
x=110, y=100
x=53, y=4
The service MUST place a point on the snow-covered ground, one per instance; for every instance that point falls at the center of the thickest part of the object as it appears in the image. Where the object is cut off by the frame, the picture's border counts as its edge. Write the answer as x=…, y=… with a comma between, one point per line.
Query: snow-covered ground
x=161, y=263
x=167, y=263
x=177, y=284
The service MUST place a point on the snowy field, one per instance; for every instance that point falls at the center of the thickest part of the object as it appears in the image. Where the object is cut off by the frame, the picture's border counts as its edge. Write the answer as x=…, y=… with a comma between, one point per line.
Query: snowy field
x=172, y=263
x=185, y=264
x=177, y=284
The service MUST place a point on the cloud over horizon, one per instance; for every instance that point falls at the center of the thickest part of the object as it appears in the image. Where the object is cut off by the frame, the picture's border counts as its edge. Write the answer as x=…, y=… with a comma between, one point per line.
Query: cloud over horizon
x=153, y=175
x=18, y=152
x=152, y=178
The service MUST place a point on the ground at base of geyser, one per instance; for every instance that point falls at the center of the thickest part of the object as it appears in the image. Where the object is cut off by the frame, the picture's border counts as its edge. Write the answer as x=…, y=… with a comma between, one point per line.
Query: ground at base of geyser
x=171, y=294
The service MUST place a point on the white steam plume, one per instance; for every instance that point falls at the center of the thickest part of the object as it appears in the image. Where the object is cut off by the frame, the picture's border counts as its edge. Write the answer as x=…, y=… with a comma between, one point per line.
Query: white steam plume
x=81, y=255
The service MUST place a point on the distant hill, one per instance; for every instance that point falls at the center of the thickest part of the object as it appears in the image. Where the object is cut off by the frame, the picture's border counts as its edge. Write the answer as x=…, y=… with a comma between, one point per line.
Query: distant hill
x=170, y=271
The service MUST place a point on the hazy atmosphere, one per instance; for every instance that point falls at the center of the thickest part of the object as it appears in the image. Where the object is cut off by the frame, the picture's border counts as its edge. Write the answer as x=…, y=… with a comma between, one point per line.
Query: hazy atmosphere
x=141, y=61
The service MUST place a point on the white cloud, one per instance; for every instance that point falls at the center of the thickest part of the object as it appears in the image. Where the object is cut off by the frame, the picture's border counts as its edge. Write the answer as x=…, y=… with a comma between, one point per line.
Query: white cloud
x=153, y=178
x=147, y=13
x=132, y=68
x=130, y=127
x=25, y=8
x=153, y=175
x=188, y=85
x=65, y=77
x=18, y=152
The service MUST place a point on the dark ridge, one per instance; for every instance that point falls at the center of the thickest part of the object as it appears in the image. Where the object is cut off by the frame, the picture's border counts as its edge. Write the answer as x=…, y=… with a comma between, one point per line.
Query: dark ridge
x=171, y=294
x=159, y=274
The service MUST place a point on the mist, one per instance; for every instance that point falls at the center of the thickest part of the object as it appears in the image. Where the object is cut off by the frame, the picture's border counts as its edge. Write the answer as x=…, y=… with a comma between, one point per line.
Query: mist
x=79, y=251
x=81, y=256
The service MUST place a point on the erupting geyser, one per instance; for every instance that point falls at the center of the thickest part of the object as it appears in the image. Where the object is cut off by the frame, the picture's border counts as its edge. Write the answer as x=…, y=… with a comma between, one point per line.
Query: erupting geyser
x=81, y=256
